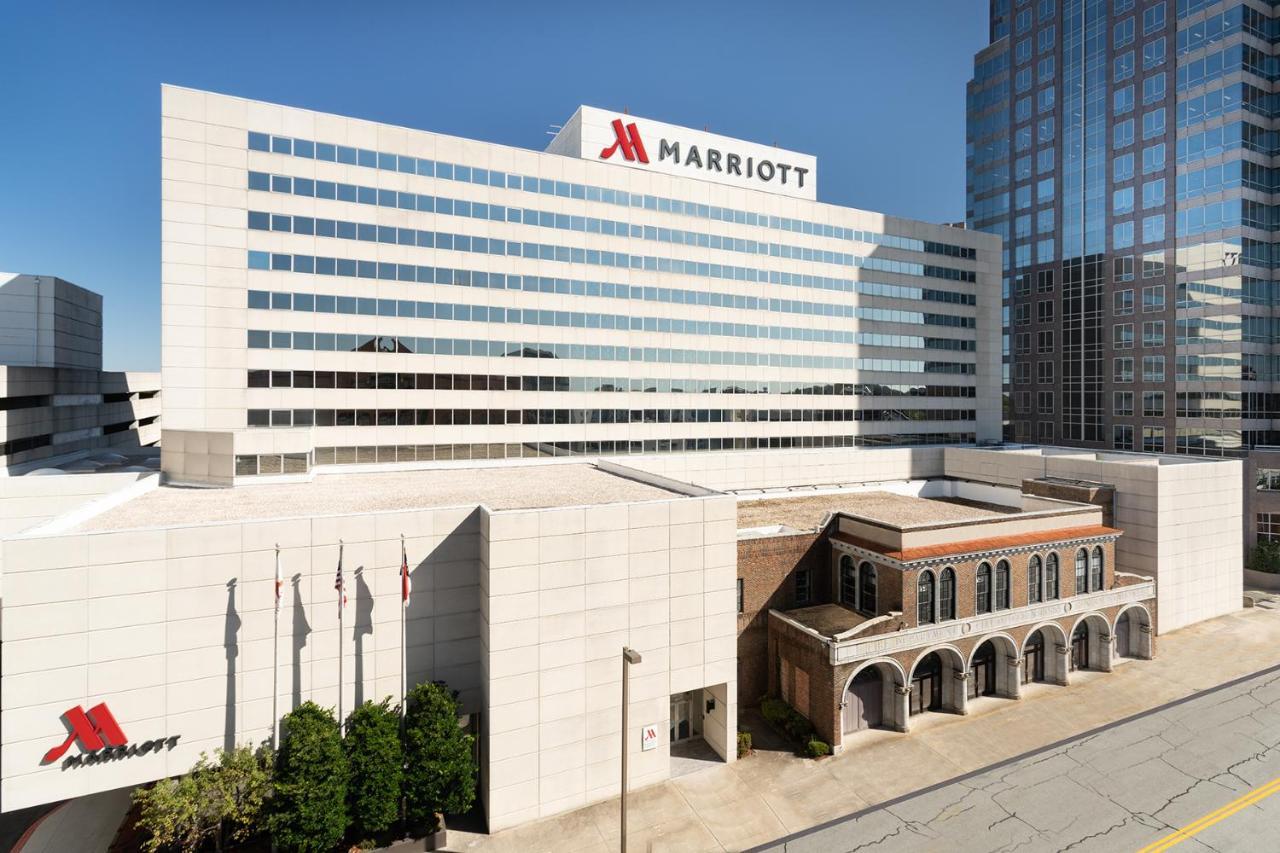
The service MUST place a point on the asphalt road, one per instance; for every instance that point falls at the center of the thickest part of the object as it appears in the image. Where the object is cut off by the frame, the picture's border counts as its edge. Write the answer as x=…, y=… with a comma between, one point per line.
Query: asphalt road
x=1190, y=776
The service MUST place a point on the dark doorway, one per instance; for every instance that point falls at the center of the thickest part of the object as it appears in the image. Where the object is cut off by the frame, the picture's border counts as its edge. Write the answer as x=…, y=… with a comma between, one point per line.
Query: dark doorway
x=864, y=703
x=982, y=675
x=1033, y=659
x=1122, y=635
x=1080, y=647
x=926, y=685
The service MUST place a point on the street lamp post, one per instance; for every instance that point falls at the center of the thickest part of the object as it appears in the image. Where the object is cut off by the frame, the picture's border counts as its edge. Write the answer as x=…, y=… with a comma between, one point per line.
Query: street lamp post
x=629, y=656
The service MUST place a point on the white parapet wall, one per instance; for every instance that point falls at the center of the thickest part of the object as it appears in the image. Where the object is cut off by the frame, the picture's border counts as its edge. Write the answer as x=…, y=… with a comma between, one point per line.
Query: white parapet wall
x=1181, y=517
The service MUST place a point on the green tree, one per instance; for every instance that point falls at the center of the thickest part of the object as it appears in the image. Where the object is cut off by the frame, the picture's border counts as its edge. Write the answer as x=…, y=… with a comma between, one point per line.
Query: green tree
x=439, y=775
x=309, y=806
x=211, y=802
x=375, y=766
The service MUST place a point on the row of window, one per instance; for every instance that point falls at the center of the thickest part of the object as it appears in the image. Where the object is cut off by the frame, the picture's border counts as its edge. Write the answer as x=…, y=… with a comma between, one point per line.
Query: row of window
x=368, y=343
x=588, y=384
x=501, y=417
x=372, y=307
x=1122, y=403
x=446, y=206
x=1196, y=441
x=466, y=312
x=401, y=164
x=544, y=251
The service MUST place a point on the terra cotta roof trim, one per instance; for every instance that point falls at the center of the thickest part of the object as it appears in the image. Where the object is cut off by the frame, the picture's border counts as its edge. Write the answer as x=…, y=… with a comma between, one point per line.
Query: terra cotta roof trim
x=971, y=546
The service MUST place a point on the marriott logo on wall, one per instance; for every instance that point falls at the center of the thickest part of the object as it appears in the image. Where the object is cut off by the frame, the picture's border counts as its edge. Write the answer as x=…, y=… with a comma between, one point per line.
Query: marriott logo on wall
x=99, y=738
x=627, y=141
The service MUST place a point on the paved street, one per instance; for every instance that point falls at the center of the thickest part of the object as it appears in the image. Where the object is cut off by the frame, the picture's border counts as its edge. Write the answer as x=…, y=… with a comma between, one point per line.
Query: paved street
x=1123, y=788
x=773, y=794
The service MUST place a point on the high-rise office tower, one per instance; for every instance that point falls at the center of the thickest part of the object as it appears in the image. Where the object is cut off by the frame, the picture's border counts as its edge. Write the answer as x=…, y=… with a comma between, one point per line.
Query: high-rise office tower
x=1122, y=148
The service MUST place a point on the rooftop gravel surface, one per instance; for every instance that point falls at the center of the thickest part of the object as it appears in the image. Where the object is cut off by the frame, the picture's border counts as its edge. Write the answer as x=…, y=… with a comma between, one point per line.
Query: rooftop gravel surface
x=806, y=512
x=514, y=487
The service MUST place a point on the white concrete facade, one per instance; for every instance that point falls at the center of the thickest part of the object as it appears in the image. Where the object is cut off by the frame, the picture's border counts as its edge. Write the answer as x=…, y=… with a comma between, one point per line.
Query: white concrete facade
x=524, y=612
x=894, y=323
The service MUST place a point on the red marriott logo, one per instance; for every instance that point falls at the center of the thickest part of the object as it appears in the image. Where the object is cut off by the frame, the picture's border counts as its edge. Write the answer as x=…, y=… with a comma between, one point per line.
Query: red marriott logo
x=94, y=730
x=628, y=140
x=100, y=738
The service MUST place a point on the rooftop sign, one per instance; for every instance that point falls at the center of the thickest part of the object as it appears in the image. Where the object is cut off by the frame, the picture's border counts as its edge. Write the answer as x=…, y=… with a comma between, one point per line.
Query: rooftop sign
x=625, y=140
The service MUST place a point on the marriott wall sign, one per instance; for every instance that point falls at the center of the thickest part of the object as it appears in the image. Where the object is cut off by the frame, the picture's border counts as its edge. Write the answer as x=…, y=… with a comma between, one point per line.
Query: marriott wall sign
x=611, y=137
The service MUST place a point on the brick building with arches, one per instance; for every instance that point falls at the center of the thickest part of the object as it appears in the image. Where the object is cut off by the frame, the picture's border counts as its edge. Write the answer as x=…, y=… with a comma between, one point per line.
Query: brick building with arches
x=945, y=597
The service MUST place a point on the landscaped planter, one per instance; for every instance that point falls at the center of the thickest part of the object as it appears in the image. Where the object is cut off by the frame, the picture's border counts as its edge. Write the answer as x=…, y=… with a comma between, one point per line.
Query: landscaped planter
x=434, y=841
x=1261, y=580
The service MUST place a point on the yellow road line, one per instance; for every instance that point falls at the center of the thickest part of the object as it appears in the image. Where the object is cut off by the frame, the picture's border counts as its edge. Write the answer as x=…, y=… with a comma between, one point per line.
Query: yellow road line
x=1221, y=814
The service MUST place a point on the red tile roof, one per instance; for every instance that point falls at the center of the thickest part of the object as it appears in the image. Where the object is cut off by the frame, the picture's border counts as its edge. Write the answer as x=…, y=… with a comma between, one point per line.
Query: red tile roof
x=972, y=546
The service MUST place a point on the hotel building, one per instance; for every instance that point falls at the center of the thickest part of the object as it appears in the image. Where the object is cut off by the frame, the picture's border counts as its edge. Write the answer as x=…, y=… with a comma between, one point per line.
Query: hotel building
x=338, y=291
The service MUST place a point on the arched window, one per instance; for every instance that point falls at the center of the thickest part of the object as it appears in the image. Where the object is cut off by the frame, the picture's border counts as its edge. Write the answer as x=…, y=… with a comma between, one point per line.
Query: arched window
x=1035, y=568
x=924, y=598
x=867, y=588
x=1051, y=577
x=1002, y=585
x=848, y=582
x=982, y=589
x=1082, y=571
x=1095, y=569
x=947, y=595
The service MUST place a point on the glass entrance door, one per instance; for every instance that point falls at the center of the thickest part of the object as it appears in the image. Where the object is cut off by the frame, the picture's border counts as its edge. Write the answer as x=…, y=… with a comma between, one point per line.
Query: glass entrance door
x=681, y=717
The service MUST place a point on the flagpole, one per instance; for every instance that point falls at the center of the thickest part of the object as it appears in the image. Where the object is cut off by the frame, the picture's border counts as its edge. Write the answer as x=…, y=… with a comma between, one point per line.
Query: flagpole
x=275, y=663
x=404, y=611
x=341, y=594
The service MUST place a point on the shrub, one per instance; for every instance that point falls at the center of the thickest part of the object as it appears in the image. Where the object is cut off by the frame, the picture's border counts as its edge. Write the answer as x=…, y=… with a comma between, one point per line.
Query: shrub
x=1265, y=557
x=440, y=775
x=375, y=767
x=786, y=720
x=817, y=748
x=744, y=744
x=309, y=808
x=211, y=802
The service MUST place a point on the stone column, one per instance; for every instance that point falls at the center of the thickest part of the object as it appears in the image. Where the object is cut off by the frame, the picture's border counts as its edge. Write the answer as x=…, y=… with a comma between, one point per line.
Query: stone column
x=1013, y=676
x=960, y=690
x=1146, y=643
x=902, y=695
x=1106, y=648
x=1061, y=674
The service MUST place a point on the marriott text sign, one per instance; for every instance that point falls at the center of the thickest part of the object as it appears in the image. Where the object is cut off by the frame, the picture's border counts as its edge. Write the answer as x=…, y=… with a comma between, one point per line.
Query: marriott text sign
x=644, y=144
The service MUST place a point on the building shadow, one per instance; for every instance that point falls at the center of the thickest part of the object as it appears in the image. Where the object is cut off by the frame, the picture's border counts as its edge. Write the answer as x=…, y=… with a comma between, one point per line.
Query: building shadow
x=362, y=629
x=231, y=646
x=301, y=629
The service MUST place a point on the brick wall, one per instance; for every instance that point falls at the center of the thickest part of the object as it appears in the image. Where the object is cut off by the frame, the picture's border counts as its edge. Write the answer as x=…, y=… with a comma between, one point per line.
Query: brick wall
x=767, y=567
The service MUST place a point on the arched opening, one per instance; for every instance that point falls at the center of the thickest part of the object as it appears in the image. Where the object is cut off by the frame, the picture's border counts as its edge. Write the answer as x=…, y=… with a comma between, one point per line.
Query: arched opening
x=871, y=698
x=864, y=703
x=867, y=588
x=1133, y=634
x=1044, y=655
x=1091, y=644
x=982, y=671
x=1080, y=647
x=993, y=668
x=1035, y=569
x=1095, y=569
x=938, y=682
x=924, y=598
x=947, y=595
x=1051, y=577
x=982, y=589
x=926, y=684
x=1002, y=585
x=848, y=582
x=1082, y=572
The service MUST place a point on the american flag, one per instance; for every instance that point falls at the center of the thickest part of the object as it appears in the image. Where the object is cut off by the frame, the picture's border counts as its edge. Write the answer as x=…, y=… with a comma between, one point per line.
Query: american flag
x=339, y=585
x=406, y=584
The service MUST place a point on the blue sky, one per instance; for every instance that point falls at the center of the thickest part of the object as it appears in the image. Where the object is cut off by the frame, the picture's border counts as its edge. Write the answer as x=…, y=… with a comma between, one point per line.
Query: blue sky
x=874, y=89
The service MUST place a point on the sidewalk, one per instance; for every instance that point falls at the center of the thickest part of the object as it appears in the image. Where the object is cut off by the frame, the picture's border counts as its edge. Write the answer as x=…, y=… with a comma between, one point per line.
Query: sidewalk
x=770, y=794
